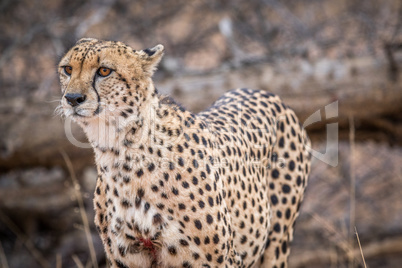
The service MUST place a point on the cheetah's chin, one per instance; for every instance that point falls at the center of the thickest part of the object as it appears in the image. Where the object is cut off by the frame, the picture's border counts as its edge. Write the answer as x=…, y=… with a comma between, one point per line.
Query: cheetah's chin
x=79, y=112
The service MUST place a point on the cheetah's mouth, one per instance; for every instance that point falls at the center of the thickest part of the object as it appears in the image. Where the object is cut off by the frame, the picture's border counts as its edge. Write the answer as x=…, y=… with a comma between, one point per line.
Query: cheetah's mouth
x=83, y=112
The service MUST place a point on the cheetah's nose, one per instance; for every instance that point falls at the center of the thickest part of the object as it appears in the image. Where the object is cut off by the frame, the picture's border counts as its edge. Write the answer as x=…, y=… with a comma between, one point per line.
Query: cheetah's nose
x=75, y=99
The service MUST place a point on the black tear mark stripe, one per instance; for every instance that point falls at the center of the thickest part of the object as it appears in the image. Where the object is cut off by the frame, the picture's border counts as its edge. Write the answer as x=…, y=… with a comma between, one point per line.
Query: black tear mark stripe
x=98, y=109
x=92, y=48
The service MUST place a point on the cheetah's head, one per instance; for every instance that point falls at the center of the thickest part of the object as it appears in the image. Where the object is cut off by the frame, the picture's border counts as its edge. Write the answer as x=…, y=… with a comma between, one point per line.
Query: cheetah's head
x=106, y=78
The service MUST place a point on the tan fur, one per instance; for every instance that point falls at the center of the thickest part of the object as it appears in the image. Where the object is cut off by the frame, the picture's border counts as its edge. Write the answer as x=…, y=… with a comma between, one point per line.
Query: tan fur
x=217, y=189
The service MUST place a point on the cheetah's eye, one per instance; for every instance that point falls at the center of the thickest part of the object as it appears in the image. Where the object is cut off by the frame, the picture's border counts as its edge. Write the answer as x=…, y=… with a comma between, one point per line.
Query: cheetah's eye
x=68, y=70
x=103, y=71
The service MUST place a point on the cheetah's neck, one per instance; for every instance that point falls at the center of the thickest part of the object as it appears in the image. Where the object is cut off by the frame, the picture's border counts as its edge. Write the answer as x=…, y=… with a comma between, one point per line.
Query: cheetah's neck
x=129, y=144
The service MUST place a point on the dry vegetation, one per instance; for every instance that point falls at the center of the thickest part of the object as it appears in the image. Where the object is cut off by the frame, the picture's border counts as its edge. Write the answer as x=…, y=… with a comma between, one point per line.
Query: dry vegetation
x=310, y=52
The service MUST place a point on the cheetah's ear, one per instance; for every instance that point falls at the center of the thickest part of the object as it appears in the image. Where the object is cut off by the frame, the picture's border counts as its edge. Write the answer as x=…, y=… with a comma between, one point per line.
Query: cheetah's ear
x=85, y=39
x=150, y=58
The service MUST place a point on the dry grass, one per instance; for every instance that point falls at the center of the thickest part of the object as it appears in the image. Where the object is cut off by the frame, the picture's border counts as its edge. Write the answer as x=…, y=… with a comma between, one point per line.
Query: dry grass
x=36, y=254
x=342, y=238
x=83, y=214
x=58, y=261
x=360, y=247
x=3, y=258
x=77, y=262
x=352, y=199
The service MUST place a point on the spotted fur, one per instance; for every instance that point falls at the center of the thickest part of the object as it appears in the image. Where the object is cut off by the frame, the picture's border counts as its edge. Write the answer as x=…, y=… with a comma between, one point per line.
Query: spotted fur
x=221, y=188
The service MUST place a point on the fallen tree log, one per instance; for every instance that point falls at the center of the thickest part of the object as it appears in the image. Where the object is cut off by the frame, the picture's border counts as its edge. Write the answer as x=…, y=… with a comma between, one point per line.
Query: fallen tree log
x=30, y=133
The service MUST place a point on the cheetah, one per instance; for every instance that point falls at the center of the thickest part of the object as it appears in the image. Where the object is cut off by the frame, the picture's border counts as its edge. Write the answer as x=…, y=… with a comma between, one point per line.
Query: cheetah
x=221, y=188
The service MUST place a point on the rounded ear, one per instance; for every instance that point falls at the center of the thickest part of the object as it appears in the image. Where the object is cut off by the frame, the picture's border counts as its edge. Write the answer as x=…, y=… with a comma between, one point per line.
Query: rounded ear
x=86, y=39
x=150, y=58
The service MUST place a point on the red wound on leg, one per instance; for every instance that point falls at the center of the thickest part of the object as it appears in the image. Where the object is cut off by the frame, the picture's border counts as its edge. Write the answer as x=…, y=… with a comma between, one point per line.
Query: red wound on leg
x=147, y=243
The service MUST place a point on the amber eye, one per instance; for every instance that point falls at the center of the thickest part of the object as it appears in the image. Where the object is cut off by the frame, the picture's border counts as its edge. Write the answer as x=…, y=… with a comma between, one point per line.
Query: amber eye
x=103, y=71
x=68, y=70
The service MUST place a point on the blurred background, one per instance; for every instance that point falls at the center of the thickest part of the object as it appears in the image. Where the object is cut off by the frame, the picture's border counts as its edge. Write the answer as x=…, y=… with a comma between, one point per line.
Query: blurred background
x=312, y=53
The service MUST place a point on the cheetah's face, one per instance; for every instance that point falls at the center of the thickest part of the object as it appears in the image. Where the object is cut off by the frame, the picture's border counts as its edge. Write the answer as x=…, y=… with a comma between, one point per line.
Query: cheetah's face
x=105, y=78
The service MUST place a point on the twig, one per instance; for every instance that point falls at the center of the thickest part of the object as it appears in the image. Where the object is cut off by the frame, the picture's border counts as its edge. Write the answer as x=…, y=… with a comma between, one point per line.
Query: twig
x=373, y=250
x=78, y=262
x=58, y=260
x=342, y=242
x=360, y=247
x=3, y=257
x=352, y=215
x=80, y=201
x=25, y=240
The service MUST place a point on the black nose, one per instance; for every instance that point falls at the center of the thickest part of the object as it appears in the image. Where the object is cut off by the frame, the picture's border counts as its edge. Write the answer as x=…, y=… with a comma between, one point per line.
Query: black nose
x=75, y=99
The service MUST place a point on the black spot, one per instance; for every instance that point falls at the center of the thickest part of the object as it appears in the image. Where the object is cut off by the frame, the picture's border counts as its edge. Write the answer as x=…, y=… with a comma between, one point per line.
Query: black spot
x=277, y=252
x=186, y=264
x=149, y=51
x=157, y=219
x=209, y=257
x=209, y=219
x=243, y=239
x=292, y=146
x=120, y=264
x=274, y=199
x=172, y=250
x=140, y=173
x=195, y=163
x=171, y=165
x=126, y=167
x=284, y=247
x=198, y=224
x=125, y=203
x=151, y=167
x=185, y=184
x=175, y=191
x=275, y=173
x=286, y=188
x=126, y=179
x=140, y=193
x=287, y=214
x=196, y=256
x=291, y=165
x=277, y=227
x=166, y=176
x=154, y=188
x=196, y=139
x=183, y=242
x=211, y=201
x=216, y=239
x=255, y=250
x=298, y=180
x=146, y=207
x=281, y=142
x=208, y=187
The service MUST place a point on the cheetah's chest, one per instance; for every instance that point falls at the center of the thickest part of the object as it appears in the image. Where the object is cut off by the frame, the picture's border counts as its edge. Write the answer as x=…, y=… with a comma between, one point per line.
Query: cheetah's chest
x=136, y=229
